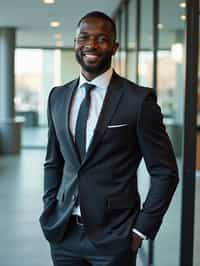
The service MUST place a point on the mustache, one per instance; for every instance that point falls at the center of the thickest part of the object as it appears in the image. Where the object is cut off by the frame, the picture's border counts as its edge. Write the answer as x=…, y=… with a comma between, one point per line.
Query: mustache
x=90, y=50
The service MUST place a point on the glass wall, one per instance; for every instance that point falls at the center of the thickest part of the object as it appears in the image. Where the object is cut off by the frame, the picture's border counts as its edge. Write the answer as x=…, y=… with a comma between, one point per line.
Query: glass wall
x=145, y=78
x=131, y=55
x=146, y=44
x=123, y=52
x=170, y=76
x=117, y=58
x=37, y=71
x=35, y=75
x=170, y=91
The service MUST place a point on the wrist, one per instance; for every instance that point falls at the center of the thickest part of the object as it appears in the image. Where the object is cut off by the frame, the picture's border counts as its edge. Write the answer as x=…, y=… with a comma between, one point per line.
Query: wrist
x=136, y=241
x=141, y=235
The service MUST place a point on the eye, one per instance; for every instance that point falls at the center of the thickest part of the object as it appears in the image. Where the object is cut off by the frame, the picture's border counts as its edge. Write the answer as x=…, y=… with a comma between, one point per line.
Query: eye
x=102, y=39
x=82, y=38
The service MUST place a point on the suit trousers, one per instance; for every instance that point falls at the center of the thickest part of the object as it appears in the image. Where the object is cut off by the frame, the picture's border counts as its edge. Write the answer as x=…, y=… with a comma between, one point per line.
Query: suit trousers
x=77, y=250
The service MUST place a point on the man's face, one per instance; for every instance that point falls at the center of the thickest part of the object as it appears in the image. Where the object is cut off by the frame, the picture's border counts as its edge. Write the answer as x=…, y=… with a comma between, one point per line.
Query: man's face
x=94, y=46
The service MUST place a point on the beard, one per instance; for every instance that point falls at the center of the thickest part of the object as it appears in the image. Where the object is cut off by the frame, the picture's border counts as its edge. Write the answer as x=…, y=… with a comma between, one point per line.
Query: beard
x=94, y=68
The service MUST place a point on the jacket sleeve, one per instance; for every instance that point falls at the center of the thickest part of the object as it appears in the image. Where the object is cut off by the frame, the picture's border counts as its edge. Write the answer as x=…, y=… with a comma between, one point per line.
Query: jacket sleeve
x=160, y=160
x=53, y=165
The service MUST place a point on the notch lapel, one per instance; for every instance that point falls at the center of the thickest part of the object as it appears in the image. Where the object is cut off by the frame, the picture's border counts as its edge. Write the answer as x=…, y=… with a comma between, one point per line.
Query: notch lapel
x=69, y=96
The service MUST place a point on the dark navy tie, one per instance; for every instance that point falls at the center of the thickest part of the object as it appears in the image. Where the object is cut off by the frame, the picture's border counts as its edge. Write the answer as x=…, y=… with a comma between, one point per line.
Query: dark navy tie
x=81, y=124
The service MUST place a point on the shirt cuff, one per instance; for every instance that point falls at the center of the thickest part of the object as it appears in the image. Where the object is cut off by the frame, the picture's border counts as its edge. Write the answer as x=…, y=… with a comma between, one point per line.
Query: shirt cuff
x=139, y=234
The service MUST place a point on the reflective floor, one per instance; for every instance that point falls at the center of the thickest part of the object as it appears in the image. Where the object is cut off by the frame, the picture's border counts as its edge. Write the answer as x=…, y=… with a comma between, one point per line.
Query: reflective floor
x=21, y=182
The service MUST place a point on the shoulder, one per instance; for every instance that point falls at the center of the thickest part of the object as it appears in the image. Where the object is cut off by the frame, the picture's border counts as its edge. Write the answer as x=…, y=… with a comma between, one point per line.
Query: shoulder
x=58, y=93
x=136, y=91
x=60, y=90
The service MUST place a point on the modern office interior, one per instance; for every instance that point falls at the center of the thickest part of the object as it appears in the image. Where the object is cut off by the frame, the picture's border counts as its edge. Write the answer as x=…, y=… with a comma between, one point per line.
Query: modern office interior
x=159, y=48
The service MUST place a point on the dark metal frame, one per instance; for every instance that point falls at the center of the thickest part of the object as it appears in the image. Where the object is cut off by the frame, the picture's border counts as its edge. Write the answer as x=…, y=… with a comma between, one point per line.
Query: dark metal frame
x=138, y=30
x=189, y=143
x=155, y=11
x=143, y=255
x=126, y=30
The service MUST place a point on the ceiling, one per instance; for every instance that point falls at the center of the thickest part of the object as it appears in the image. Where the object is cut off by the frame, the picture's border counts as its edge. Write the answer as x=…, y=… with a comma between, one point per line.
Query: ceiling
x=32, y=18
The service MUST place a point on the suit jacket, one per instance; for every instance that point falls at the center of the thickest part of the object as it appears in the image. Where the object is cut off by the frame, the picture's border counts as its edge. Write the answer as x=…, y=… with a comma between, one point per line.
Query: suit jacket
x=129, y=127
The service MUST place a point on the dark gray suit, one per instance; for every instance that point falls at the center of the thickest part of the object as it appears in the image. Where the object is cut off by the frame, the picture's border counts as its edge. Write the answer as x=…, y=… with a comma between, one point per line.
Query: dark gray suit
x=107, y=178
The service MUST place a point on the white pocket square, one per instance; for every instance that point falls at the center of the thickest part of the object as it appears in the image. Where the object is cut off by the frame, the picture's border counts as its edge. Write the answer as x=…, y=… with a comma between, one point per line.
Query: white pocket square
x=116, y=126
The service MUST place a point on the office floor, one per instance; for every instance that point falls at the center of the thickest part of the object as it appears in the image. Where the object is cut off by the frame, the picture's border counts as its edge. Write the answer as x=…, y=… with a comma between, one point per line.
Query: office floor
x=21, y=183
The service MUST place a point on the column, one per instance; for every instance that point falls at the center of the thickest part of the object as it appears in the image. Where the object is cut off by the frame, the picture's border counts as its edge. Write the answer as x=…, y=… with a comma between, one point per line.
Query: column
x=9, y=127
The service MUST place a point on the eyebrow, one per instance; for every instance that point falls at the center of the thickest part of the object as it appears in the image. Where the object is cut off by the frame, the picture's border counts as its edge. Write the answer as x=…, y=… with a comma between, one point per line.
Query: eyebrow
x=95, y=34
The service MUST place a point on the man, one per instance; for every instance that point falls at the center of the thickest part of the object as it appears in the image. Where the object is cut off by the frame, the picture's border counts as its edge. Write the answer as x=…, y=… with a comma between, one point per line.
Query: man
x=100, y=126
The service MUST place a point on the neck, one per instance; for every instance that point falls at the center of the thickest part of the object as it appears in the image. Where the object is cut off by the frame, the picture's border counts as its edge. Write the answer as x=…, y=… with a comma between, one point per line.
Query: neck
x=90, y=76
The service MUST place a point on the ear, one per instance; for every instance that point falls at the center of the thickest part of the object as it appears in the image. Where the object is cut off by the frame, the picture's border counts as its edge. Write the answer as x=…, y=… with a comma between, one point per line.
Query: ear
x=75, y=43
x=115, y=47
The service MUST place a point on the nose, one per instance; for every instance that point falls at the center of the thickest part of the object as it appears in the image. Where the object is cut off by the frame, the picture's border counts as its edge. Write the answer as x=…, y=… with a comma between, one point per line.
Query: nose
x=91, y=42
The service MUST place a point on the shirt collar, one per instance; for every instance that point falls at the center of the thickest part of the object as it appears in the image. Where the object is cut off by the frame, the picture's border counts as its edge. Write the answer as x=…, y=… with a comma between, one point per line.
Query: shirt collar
x=101, y=81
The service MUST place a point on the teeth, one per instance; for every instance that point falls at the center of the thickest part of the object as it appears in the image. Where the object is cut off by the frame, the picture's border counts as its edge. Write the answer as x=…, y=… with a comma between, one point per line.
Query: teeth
x=91, y=56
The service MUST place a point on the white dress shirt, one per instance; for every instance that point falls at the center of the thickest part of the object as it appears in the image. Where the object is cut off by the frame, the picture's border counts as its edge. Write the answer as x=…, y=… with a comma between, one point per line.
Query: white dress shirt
x=97, y=98
x=96, y=102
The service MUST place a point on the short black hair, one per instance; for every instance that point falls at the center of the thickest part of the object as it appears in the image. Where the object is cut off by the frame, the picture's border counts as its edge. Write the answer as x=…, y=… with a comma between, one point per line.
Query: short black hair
x=101, y=15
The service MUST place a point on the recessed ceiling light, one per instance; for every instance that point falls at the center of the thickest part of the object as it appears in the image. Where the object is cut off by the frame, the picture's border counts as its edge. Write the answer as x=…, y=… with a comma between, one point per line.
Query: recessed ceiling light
x=58, y=36
x=59, y=43
x=49, y=2
x=160, y=26
x=183, y=17
x=183, y=5
x=54, y=24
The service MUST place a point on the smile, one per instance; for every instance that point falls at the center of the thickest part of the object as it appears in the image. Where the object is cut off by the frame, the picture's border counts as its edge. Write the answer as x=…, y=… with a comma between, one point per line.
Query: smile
x=91, y=57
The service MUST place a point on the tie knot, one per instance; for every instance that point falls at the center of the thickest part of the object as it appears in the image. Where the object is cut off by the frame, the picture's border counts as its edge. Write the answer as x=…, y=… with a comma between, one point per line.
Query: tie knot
x=89, y=87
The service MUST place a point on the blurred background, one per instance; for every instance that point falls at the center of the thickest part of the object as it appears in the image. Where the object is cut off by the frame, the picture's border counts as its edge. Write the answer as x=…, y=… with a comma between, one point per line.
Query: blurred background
x=159, y=48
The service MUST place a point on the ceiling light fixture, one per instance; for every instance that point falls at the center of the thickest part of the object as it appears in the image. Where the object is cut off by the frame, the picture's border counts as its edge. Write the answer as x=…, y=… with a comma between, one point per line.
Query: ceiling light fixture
x=49, y=2
x=182, y=5
x=160, y=26
x=54, y=24
x=183, y=17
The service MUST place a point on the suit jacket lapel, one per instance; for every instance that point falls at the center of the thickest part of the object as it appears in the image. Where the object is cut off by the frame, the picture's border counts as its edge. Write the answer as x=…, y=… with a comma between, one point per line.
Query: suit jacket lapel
x=111, y=101
x=70, y=93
